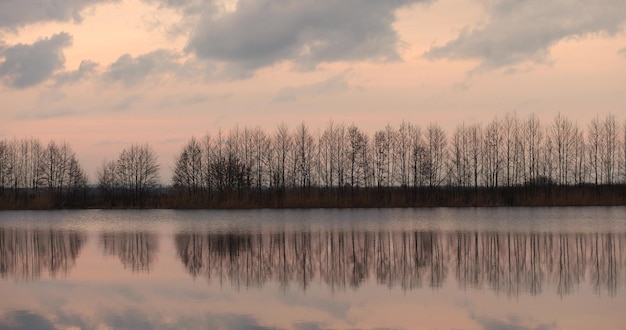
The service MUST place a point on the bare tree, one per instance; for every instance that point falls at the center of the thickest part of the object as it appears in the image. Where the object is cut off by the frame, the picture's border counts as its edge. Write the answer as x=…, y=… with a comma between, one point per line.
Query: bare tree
x=332, y=154
x=282, y=146
x=357, y=145
x=4, y=170
x=188, y=168
x=460, y=157
x=547, y=164
x=381, y=159
x=137, y=171
x=391, y=136
x=475, y=141
x=417, y=156
x=561, y=135
x=207, y=155
x=623, y=158
x=595, y=148
x=402, y=152
x=532, y=145
x=260, y=147
x=107, y=180
x=60, y=171
x=511, y=148
x=338, y=149
x=435, y=154
x=492, y=155
x=303, y=156
x=580, y=169
x=610, y=143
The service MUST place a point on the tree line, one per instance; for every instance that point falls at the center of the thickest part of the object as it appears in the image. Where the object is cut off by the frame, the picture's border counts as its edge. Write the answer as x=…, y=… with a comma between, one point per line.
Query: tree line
x=341, y=165
x=44, y=175
x=407, y=165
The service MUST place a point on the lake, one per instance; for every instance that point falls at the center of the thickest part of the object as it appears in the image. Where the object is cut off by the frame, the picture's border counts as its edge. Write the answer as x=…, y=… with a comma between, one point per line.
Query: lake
x=442, y=268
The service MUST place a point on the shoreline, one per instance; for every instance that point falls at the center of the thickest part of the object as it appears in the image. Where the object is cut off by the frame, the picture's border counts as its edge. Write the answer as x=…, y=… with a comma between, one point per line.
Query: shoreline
x=325, y=198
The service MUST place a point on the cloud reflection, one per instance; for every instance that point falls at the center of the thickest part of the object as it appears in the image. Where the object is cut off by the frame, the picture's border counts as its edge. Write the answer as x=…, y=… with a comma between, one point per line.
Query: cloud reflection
x=128, y=319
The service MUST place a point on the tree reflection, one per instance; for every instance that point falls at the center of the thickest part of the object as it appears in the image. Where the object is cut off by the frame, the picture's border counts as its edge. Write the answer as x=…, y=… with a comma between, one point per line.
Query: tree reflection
x=510, y=263
x=27, y=253
x=137, y=250
x=339, y=259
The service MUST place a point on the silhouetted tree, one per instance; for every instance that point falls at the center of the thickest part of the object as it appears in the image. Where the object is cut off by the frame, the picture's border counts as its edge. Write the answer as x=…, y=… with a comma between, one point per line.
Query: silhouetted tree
x=108, y=183
x=137, y=172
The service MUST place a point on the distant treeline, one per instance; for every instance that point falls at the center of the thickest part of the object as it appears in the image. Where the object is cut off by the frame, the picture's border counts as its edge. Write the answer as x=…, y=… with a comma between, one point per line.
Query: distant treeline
x=508, y=161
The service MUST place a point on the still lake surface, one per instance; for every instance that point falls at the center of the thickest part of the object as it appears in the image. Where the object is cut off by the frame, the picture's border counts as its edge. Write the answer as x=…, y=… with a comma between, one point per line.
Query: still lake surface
x=483, y=268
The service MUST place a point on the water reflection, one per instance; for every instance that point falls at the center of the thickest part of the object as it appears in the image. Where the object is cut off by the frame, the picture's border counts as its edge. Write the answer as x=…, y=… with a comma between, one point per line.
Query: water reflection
x=510, y=263
x=531, y=261
x=136, y=250
x=27, y=253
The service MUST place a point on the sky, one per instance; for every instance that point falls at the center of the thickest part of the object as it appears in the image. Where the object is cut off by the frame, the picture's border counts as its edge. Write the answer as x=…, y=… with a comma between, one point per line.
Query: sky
x=103, y=74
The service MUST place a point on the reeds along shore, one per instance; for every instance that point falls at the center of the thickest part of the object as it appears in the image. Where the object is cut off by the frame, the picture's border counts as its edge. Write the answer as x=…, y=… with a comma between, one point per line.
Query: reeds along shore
x=406, y=197
x=173, y=198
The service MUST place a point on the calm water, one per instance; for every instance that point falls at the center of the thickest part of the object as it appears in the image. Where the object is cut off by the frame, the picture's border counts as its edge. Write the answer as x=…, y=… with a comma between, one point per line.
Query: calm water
x=501, y=268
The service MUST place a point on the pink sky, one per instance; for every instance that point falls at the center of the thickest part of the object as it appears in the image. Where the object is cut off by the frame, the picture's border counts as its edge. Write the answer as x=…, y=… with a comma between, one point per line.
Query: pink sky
x=159, y=72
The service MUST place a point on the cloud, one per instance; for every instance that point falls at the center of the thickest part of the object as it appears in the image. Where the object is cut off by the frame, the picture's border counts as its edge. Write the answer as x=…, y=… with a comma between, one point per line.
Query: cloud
x=47, y=114
x=126, y=103
x=133, y=70
x=622, y=52
x=188, y=7
x=129, y=319
x=261, y=33
x=136, y=319
x=85, y=69
x=332, y=85
x=307, y=326
x=24, y=320
x=511, y=323
x=18, y=13
x=522, y=32
x=48, y=96
x=177, y=101
x=26, y=65
x=110, y=143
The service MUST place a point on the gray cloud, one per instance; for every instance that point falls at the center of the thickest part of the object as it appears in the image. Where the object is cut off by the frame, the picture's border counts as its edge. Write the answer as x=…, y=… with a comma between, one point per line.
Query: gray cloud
x=46, y=114
x=176, y=101
x=85, y=69
x=332, y=85
x=135, y=319
x=191, y=11
x=524, y=31
x=126, y=104
x=622, y=52
x=129, y=319
x=111, y=143
x=133, y=70
x=261, y=33
x=48, y=96
x=188, y=7
x=17, y=13
x=511, y=322
x=23, y=319
x=27, y=65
